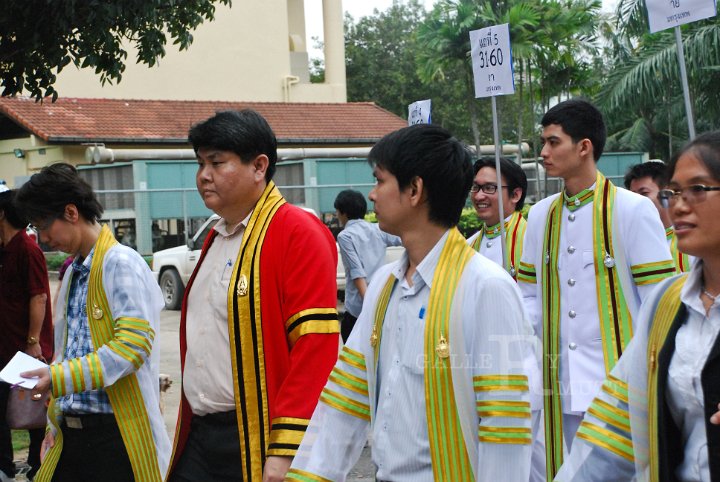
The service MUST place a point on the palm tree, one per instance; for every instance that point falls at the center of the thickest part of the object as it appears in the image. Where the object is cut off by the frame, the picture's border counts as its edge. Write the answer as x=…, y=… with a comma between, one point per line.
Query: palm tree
x=552, y=43
x=642, y=96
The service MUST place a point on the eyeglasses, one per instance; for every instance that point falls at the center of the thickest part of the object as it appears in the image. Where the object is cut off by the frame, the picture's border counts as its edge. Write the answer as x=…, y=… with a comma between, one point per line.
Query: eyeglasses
x=692, y=194
x=486, y=188
x=43, y=225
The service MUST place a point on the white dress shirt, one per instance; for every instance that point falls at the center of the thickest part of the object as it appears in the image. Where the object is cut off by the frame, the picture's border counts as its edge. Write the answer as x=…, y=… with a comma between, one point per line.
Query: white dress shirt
x=582, y=367
x=494, y=329
x=693, y=343
x=207, y=379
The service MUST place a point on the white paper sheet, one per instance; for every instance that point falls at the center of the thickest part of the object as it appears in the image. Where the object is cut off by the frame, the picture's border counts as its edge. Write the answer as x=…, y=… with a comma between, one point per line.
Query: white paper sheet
x=21, y=362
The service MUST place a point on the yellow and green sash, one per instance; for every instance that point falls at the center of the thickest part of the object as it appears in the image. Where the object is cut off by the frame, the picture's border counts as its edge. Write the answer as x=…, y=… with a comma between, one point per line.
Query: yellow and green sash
x=681, y=260
x=125, y=396
x=665, y=314
x=615, y=317
x=514, y=234
x=450, y=459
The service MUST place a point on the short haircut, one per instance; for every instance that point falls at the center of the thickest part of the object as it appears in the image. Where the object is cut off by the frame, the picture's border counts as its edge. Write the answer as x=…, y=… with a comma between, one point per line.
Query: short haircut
x=13, y=215
x=706, y=149
x=579, y=119
x=653, y=169
x=511, y=171
x=431, y=153
x=351, y=203
x=47, y=193
x=244, y=132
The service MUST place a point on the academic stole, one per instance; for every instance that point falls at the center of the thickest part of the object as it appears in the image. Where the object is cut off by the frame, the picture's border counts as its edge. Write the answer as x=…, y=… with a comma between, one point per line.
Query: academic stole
x=125, y=396
x=450, y=460
x=615, y=318
x=246, y=339
x=514, y=232
x=665, y=314
x=680, y=259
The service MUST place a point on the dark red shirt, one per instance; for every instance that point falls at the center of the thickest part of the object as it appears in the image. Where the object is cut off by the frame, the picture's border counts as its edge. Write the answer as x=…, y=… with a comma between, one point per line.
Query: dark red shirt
x=23, y=274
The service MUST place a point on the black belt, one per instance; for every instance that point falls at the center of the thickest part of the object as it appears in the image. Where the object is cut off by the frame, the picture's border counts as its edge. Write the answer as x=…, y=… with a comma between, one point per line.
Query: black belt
x=92, y=420
x=217, y=418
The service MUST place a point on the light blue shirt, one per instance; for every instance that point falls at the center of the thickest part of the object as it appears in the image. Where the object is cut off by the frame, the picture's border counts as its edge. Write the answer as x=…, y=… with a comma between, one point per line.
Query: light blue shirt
x=362, y=248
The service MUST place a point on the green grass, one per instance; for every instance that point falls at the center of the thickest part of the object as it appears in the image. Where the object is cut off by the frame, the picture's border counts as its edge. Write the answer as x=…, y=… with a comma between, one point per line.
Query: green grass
x=20, y=440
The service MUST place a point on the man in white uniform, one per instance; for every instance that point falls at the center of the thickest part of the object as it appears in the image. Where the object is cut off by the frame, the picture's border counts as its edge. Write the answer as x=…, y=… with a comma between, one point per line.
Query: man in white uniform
x=434, y=367
x=485, y=200
x=592, y=254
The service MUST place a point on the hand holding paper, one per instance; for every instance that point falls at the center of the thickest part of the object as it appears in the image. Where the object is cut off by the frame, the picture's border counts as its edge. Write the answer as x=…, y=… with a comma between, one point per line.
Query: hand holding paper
x=21, y=371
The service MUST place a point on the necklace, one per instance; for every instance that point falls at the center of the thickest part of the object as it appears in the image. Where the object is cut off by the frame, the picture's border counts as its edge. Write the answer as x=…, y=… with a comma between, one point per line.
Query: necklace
x=712, y=297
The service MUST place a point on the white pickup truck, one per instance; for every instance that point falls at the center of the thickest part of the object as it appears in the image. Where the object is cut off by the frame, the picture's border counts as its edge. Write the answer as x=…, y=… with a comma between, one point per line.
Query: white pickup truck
x=172, y=267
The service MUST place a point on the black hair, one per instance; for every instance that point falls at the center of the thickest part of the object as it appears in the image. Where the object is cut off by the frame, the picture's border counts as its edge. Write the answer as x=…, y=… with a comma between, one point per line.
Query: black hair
x=511, y=171
x=244, y=132
x=13, y=215
x=706, y=149
x=653, y=169
x=431, y=153
x=351, y=203
x=46, y=194
x=580, y=120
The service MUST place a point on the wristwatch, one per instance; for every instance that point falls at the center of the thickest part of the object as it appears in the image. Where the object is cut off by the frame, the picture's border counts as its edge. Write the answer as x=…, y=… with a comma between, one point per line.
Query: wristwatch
x=31, y=340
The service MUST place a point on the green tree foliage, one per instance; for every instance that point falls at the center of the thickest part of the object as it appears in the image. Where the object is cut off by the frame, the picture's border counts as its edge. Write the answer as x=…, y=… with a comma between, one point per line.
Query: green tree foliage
x=38, y=38
x=643, y=96
x=553, y=43
x=380, y=57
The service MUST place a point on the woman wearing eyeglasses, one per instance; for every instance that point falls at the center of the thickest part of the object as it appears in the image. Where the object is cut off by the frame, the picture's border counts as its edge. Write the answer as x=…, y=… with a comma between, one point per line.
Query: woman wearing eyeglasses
x=655, y=417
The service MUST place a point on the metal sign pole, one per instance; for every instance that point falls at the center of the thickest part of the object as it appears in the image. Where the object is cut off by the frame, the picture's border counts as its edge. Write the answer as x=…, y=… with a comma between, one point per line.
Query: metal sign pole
x=496, y=134
x=684, y=79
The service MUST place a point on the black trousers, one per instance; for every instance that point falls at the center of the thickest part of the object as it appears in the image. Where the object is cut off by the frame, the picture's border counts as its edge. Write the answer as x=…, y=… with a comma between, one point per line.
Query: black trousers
x=6, y=452
x=212, y=450
x=346, y=326
x=94, y=452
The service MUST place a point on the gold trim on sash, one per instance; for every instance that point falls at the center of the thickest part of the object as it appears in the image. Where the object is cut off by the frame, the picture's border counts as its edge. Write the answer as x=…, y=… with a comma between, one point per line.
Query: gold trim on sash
x=514, y=235
x=450, y=460
x=614, y=315
x=665, y=314
x=246, y=339
x=125, y=396
x=448, y=450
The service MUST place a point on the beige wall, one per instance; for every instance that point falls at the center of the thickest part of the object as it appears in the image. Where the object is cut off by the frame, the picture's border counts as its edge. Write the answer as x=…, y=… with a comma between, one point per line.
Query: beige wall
x=36, y=155
x=243, y=55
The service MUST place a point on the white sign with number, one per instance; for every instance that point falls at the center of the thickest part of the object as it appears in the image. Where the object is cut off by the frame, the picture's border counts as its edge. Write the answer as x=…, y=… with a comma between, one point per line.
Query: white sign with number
x=419, y=112
x=664, y=14
x=492, y=61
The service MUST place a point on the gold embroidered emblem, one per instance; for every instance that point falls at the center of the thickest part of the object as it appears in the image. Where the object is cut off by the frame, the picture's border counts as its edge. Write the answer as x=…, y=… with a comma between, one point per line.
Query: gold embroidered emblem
x=242, y=289
x=97, y=312
x=374, y=337
x=442, y=349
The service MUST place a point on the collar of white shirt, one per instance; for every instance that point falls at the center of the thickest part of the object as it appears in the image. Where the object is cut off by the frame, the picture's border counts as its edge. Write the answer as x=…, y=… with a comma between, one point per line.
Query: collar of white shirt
x=225, y=230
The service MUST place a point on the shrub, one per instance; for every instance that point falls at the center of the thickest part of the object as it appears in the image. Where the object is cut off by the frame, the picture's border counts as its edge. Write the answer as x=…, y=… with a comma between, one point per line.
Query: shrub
x=55, y=260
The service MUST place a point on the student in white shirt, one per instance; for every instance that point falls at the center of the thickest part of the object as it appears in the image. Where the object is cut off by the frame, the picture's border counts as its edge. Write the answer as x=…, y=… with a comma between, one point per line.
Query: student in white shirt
x=434, y=366
x=655, y=417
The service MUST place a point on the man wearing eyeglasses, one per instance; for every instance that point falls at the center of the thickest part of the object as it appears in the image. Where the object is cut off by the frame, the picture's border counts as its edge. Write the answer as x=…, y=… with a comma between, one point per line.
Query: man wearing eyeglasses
x=487, y=241
x=485, y=200
x=647, y=179
x=592, y=254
